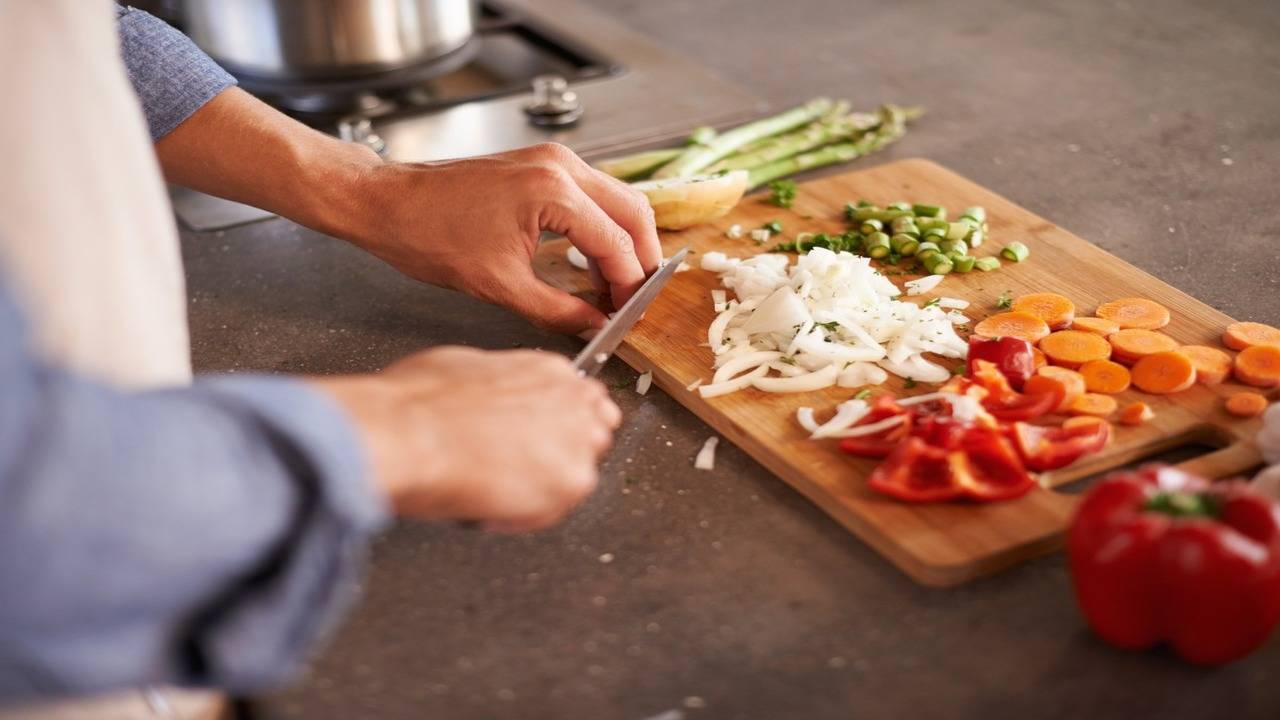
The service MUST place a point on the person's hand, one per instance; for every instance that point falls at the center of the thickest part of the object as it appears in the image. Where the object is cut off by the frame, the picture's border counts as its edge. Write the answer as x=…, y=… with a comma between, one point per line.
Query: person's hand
x=508, y=438
x=473, y=225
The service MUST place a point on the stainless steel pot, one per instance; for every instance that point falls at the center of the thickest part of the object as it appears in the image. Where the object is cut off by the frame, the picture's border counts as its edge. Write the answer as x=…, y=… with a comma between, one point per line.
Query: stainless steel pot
x=318, y=40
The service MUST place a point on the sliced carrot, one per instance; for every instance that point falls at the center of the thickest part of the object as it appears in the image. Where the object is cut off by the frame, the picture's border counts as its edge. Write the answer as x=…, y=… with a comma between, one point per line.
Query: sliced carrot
x=1100, y=326
x=1038, y=358
x=1056, y=310
x=1072, y=348
x=1165, y=372
x=1093, y=404
x=1240, y=335
x=1246, y=404
x=1013, y=324
x=1212, y=365
x=1259, y=366
x=1136, y=413
x=1065, y=384
x=1105, y=376
x=1080, y=420
x=1132, y=344
x=1134, y=312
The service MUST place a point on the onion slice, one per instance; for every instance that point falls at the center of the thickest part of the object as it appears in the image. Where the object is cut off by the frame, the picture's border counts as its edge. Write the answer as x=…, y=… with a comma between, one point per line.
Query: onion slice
x=644, y=382
x=706, y=459
x=734, y=385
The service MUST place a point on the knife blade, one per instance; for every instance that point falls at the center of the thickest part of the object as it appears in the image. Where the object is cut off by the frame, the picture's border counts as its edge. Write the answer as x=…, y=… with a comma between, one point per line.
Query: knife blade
x=600, y=349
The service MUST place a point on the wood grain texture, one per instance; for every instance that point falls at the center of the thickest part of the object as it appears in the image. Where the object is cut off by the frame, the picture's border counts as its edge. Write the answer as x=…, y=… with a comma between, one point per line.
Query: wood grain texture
x=939, y=544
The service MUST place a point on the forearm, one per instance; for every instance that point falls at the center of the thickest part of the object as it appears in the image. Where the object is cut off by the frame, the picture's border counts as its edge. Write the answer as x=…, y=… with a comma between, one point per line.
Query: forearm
x=239, y=148
x=202, y=535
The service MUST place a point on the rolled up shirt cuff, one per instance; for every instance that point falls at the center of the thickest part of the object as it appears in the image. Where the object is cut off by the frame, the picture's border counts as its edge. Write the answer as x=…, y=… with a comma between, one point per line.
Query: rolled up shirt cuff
x=172, y=77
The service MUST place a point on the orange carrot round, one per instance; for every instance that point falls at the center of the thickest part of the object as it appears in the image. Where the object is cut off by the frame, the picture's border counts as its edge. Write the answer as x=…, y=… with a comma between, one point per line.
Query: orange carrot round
x=1105, y=376
x=1136, y=413
x=1134, y=312
x=1013, y=324
x=1212, y=365
x=1259, y=366
x=1132, y=344
x=1246, y=404
x=1093, y=404
x=1241, y=335
x=1038, y=359
x=1100, y=326
x=1079, y=420
x=1072, y=348
x=1056, y=310
x=1164, y=372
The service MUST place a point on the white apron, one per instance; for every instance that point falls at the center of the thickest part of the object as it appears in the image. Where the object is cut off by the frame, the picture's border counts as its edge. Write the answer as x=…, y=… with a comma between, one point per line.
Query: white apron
x=87, y=238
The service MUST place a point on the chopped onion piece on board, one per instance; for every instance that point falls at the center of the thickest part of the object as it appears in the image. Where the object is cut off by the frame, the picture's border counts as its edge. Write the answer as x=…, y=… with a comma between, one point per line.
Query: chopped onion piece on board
x=922, y=285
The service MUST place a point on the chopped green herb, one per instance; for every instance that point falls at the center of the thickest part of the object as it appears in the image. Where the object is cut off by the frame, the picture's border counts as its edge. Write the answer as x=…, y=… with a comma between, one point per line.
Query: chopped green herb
x=932, y=302
x=910, y=383
x=782, y=193
x=862, y=394
x=958, y=370
x=773, y=226
x=829, y=326
x=1005, y=301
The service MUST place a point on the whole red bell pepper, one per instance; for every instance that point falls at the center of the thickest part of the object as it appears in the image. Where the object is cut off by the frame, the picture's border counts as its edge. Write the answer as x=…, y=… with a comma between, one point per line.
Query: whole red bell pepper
x=1161, y=556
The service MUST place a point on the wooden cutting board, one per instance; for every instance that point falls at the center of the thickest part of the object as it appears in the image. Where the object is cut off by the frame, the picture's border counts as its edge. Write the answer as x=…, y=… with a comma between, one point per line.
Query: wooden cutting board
x=939, y=544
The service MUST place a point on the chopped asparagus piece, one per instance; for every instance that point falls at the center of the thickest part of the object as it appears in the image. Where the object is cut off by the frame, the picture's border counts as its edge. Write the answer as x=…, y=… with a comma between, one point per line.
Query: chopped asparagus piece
x=963, y=263
x=904, y=244
x=925, y=249
x=930, y=211
x=877, y=245
x=949, y=246
x=987, y=264
x=871, y=226
x=905, y=224
x=937, y=264
x=701, y=135
x=977, y=213
x=1015, y=251
x=904, y=207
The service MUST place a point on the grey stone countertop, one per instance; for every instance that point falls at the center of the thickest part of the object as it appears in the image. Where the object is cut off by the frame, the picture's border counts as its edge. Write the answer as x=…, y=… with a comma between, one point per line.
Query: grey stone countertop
x=1151, y=127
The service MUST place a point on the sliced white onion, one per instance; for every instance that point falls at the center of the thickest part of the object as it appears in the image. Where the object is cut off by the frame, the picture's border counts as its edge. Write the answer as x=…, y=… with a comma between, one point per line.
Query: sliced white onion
x=576, y=258
x=952, y=303
x=922, y=285
x=847, y=413
x=918, y=369
x=643, y=382
x=870, y=429
x=718, y=300
x=718, y=262
x=693, y=385
x=786, y=369
x=683, y=267
x=744, y=362
x=824, y=378
x=861, y=373
x=734, y=385
x=804, y=416
x=706, y=459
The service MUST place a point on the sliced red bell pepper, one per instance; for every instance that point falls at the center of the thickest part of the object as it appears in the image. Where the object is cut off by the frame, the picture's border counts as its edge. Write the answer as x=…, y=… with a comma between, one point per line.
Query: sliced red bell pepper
x=1002, y=401
x=1157, y=555
x=946, y=460
x=1011, y=356
x=878, y=445
x=1049, y=448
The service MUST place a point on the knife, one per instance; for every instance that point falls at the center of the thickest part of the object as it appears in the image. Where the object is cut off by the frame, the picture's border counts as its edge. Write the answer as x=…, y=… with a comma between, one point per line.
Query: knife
x=600, y=349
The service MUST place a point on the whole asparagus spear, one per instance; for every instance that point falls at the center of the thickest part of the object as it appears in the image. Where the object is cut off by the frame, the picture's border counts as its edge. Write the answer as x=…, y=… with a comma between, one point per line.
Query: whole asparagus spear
x=639, y=165
x=840, y=109
x=814, y=135
x=698, y=157
x=892, y=127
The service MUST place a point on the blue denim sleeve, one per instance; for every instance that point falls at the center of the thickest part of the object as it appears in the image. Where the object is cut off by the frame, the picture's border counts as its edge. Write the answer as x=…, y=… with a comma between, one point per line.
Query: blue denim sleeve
x=172, y=77
x=208, y=535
